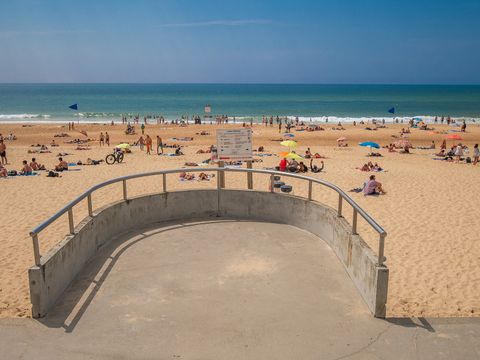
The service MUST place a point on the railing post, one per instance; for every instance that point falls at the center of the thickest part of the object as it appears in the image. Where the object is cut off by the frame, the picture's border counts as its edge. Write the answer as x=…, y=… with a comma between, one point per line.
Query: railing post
x=354, y=222
x=249, y=176
x=36, y=249
x=381, y=249
x=340, y=204
x=124, y=189
x=272, y=181
x=90, y=207
x=70, y=221
x=164, y=180
x=221, y=174
x=310, y=185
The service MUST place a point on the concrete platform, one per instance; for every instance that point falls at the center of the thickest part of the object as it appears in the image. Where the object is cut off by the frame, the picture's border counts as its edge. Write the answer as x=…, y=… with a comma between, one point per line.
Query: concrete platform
x=225, y=289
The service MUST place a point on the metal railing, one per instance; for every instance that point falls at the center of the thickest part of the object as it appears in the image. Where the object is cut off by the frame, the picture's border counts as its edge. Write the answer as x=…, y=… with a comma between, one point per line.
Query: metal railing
x=342, y=196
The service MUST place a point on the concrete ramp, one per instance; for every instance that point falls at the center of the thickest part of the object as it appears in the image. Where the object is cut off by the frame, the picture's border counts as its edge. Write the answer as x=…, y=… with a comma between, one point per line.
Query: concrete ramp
x=213, y=289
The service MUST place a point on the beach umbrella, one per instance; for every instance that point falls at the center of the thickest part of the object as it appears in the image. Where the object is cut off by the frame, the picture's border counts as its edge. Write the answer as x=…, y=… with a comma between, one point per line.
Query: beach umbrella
x=454, y=137
x=123, y=146
x=283, y=154
x=343, y=138
x=371, y=144
x=84, y=133
x=289, y=143
x=293, y=156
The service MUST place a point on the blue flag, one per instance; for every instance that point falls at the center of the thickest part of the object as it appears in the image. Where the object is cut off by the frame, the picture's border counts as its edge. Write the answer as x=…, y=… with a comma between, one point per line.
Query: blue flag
x=74, y=107
x=392, y=110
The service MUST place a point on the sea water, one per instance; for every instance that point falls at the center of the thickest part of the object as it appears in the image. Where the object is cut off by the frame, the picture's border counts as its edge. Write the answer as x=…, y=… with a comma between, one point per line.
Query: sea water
x=317, y=103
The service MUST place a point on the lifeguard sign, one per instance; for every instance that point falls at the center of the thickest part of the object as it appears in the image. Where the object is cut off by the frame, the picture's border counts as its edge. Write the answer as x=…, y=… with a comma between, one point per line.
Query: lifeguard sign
x=208, y=109
x=234, y=145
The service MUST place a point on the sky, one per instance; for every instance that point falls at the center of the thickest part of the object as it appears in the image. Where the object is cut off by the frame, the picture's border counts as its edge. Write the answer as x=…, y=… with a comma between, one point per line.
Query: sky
x=242, y=41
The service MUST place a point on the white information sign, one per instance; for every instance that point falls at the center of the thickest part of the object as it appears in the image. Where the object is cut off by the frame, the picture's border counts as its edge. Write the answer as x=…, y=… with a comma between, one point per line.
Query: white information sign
x=234, y=144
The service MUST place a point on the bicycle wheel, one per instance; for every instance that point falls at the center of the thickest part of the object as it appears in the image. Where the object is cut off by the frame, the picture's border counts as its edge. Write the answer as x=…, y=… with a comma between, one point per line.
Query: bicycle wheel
x=110, y=159
x=120, y=158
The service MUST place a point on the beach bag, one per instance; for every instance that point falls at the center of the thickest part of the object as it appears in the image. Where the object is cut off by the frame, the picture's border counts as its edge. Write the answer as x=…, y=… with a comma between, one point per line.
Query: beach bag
x=12, y=173
x=468, y=160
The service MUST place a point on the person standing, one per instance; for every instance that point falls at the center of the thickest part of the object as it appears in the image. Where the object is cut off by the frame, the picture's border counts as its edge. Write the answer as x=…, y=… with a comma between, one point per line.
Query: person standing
x=159, y=145
x=458, y=152
x=102, y=139
x=107, y=139
x=476, y=154
x=141, y=142
x=148, y=142
x=3, y=153
x=143, y=129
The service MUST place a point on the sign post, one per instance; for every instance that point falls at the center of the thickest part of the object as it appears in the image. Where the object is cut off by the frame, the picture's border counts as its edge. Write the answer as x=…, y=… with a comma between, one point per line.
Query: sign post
x=235, y=145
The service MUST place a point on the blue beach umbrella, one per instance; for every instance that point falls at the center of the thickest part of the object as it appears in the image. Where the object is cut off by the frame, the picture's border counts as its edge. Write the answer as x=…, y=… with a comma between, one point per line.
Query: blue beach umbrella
x=370, y=144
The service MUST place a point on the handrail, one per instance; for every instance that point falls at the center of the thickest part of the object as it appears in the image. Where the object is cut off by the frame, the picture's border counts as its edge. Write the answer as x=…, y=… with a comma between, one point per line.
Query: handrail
x=87, y=194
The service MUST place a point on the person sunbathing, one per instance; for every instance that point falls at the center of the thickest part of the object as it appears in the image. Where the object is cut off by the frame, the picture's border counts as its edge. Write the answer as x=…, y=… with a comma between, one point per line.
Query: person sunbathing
x=62, y=165
x=186, y=176
x=302, y=167
x=26, y=169
x=315, y=168
x=203, y=176
x=373, y=187
x=308, y=154
x=376, y=167
x=178, y=152
x=3, y=171
x=293, y=166
x=365, y=168
x=442, y=153
x=36, y=166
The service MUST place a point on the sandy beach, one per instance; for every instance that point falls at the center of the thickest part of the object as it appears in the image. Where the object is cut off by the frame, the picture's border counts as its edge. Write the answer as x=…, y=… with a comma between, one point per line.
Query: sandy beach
x=430, y=210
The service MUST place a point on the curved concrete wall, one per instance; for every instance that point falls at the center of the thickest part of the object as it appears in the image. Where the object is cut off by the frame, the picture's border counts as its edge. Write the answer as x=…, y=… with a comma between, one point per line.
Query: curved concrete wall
x=60, y=266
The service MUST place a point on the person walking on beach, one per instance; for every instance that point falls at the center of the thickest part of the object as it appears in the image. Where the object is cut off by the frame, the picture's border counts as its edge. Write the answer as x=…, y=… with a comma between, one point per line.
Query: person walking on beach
x=102, y=139
x=3, y=153
x=143, y=129
x=107, y=139
x=476, y=154
x=141, y=142
x=159, y=145
x=148, y=142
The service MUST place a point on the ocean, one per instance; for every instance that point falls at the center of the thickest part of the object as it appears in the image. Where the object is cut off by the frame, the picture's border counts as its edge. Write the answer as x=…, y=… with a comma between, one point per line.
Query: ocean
x=346, y=103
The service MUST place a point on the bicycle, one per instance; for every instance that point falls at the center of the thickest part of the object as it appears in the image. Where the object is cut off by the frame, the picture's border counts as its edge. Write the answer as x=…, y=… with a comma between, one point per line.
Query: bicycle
x=116, y=156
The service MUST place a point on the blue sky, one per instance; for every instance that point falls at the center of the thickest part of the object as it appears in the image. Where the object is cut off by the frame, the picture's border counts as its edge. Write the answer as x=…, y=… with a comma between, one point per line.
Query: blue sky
x=247, y=41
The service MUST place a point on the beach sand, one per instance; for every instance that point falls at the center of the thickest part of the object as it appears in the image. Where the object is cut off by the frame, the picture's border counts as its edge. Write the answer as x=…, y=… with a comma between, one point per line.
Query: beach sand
x=430, y=210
